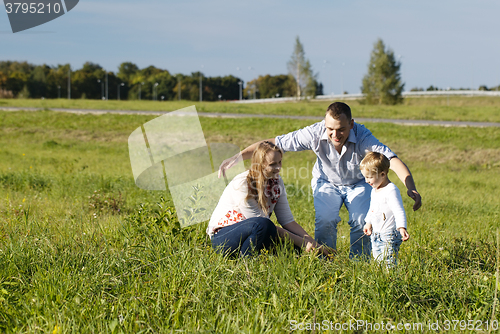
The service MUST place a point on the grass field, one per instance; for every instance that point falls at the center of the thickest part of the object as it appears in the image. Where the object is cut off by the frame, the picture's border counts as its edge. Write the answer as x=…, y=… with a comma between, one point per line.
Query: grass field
x=453, y=108
x=83, y=250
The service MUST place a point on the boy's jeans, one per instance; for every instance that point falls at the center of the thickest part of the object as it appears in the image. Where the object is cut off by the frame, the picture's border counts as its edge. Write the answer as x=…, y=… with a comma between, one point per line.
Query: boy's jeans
x=385, y=246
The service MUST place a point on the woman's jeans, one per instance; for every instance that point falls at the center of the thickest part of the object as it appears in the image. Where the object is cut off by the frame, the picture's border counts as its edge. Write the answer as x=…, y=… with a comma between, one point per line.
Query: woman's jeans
x=385, y=246
x=248, y=237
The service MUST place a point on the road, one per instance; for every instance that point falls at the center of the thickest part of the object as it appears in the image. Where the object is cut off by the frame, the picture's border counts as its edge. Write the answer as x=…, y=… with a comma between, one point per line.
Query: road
x=225, y=115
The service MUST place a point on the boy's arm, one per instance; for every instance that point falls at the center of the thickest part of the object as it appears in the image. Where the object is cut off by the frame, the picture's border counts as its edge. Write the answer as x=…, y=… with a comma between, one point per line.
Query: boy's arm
x=404, y=233
x=395, y=203
x=367, y=229
x=405, y=176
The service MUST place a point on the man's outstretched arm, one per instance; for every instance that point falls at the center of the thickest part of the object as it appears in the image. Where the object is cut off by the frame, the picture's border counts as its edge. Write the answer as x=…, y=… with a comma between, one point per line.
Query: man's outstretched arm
x=243, y=155
x=405, y=176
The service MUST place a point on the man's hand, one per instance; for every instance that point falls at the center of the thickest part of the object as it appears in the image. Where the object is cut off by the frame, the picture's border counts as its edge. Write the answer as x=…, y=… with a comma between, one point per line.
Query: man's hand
x=404, y=233
x=404, y=175
x=228, y=163
x=367, y=229
x=416, y=197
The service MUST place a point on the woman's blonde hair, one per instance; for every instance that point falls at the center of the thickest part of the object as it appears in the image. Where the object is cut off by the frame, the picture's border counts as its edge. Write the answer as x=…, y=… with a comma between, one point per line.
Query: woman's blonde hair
x=256, y=179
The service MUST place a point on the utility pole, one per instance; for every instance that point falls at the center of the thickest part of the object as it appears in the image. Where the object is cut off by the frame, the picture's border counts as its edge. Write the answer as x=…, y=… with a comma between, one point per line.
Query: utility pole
x=106, y=85
x=201, y=92
x=69, y=83
x=179, y=83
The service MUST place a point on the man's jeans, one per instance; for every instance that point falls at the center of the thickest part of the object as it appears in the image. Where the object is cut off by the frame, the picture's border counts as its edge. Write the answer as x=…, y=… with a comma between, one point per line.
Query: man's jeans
x=385, y=246
x=328, y=200
x=248, y=237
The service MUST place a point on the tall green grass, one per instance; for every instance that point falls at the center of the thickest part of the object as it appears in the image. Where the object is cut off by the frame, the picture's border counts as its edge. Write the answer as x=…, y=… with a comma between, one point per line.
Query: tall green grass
x=83, y=250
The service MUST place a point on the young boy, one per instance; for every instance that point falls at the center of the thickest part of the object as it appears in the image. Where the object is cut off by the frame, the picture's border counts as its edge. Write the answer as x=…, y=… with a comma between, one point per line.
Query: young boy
x=386, y=219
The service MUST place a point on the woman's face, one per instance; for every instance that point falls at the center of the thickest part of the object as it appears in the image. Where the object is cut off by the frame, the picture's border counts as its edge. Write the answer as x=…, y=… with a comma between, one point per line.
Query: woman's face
x=272, y=165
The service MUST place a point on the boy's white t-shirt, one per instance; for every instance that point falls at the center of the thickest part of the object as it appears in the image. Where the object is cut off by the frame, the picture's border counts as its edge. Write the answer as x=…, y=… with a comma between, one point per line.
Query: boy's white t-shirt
x=386, y=209
x=234, y=207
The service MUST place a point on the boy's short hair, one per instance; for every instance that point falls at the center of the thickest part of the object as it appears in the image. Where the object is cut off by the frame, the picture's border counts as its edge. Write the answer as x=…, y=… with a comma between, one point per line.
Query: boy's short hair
x=375, y=163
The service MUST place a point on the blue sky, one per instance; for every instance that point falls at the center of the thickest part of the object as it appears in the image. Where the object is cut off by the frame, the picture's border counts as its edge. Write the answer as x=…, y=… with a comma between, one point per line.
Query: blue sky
x=445, y=43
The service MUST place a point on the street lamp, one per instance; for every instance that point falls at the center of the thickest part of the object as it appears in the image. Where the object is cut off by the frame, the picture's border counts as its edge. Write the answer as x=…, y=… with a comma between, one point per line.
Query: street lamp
x=342, y=80
x=325, y=63
x=201, y=91
x=155, y=91
x=107, y=88
x=69, y=83
x=122, y=84
x=277, y=95
x=58, y=92
x=142, y=83
x=220, y=96
x=102, y=88
x=162, y=98
x=179, y=84
x=241, y=93
x=250, y=68
x=239, y=77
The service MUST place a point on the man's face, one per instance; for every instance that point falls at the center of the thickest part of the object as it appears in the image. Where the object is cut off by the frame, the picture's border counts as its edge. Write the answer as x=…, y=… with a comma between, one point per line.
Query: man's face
x=338, y=130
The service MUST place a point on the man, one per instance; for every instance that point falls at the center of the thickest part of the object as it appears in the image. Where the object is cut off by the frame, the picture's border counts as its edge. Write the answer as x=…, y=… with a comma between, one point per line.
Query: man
x=340, y=144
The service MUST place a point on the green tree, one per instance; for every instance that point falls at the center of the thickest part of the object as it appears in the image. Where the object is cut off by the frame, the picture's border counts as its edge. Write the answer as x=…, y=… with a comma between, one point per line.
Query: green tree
x=127, y=71
x=227, y=87
x=84, y=82
x=382, y=84
x=57, y=81
x=37, y=84
x=16, y=82
x=17, y=76
x=301, y=70
x=269, y=86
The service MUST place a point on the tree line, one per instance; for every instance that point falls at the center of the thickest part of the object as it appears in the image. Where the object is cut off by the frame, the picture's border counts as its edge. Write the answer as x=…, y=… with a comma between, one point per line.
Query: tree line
x=381, y=85
x=25, y=80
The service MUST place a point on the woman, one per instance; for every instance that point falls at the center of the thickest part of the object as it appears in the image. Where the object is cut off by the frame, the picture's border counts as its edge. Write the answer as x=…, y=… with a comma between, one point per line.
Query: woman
x=240, y=222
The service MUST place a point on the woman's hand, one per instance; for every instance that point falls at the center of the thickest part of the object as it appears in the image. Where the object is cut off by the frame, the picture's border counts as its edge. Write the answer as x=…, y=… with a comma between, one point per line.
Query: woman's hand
x=315, y=247
x=300, y=238
x=228, y=163
x=243, y=155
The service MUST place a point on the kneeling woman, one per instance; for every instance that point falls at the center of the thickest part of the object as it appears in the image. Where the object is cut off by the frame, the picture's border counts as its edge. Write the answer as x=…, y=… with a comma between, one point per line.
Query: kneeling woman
x=240, y=222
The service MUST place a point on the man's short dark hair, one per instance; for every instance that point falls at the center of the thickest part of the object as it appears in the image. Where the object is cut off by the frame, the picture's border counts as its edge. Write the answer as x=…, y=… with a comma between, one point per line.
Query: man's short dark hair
x=339, y=108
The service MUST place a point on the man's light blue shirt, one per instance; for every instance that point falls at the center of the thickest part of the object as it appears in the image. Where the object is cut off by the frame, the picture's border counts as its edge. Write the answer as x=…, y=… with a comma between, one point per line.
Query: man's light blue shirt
x=339, y=169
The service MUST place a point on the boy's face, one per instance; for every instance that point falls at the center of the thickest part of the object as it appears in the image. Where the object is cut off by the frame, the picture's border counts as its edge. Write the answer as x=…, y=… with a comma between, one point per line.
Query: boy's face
x=374, y=179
